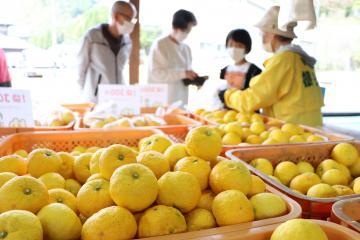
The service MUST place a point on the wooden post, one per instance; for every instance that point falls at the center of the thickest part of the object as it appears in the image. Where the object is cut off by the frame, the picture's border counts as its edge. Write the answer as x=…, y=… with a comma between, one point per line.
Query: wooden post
x=135, y=53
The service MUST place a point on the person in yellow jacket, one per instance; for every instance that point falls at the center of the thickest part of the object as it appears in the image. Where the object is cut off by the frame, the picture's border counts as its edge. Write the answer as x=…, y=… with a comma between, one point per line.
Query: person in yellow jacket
x=287, y=89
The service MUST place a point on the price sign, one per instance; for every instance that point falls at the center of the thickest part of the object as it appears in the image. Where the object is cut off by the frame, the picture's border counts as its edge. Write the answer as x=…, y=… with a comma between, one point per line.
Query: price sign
x=154, y=95
x=15, y=108
x=126, y=98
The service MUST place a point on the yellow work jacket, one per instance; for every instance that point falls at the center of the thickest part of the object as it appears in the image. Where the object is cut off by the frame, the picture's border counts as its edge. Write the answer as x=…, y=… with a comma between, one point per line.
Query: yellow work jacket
x=287, y=89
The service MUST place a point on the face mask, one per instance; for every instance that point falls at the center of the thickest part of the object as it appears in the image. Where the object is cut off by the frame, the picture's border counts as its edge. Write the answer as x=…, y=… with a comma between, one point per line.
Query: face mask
x=180, y=36
x=125, y=28
x=237, y=54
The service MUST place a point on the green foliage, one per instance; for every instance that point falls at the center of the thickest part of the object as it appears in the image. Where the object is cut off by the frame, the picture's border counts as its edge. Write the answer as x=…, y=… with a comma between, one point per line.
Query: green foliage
x=148, y=35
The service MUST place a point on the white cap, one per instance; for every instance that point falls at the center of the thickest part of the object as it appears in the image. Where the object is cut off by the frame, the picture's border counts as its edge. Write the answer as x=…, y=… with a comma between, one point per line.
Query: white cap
x=269, y=23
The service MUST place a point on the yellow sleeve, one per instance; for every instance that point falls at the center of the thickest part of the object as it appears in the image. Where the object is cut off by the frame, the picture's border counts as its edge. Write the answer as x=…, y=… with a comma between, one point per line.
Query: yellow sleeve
x=266, y=88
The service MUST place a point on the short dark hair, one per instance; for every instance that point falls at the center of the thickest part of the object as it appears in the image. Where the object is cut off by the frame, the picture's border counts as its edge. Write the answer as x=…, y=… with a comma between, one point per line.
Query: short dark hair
x=182, y=18
x=241, y=36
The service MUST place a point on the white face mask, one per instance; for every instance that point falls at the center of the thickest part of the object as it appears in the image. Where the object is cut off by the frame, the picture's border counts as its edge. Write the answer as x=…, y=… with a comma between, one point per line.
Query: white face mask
x=180, y=36
x=125, y=28
x=237, y=54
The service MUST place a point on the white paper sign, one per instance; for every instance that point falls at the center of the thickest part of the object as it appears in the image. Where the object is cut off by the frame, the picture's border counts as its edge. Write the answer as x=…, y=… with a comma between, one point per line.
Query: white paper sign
x=15, y=108
x=154, y=95
x=127, y=98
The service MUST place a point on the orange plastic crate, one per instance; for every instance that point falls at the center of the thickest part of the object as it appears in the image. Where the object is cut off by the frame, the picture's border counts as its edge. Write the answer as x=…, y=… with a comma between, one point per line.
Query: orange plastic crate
x=294, y=211
x=67, y=140
x=332, y=230
x=347, y=213
x=7, y=131
x=317, y=208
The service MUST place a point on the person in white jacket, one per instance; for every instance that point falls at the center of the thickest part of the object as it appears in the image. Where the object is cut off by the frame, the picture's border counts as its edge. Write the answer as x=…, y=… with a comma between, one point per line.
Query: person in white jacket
x=170, y=58
x=105, y=50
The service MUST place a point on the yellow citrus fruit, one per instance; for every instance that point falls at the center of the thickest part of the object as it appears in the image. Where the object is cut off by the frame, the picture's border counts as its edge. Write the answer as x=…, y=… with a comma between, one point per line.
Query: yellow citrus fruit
x=291, y=128
x=14, y=164
x=59, y=222
x=232, y=207
x=197, y=167
x=263, y=165
x=67, y=163
x=356, y=186
x=92, y=149
x=355, y=168
x=297, y=139
x=246, y=133
x=257, y=127
x=79, y=149
x=52, y=180
x=231, y=139
x=228, y=175
x=173, y=185
x=155, y=161
x=115, y=223
x=219, y=130
x=298, y=229
x=261, y=203
x=72, y=186
x=82, y=167
x=315, y=138
x=20, y=224
x=41, y=161
x=157, y=142
x=203, y=142
x=334, y=177
x=134, y=186
x=97, y=124
x=161, y=220
x=257, y=186
x=304, y=181
x=306, y=134
x=219, y=113
x=234, y=127
x=286, y=171
x=270, y=141
x=345, y=153
x=321, y=190
x=254, y=139
x=242, y=118
x=67, y=117
x=199, y=219
x=94, y=161
x=264, y=135
x=342, y=190
x=257, y=118
x=23, y=193
x=206, y=199
x=174, y=153
x=230, y=116
x=94, y=176
x=113, y=157
x=59, y=195
x=326, y=165
x=279, y=136
x=22, y=153
x=199, y=111
x=304, y=167
x=6, y=176
x=93, y=196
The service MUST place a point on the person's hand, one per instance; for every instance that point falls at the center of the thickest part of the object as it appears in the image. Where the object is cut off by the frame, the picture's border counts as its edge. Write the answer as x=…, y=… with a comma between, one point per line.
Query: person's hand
x=191, y=75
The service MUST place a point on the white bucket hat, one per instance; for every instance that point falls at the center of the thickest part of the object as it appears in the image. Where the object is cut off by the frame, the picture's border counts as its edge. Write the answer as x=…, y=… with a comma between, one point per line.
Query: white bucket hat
x=269, y=23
